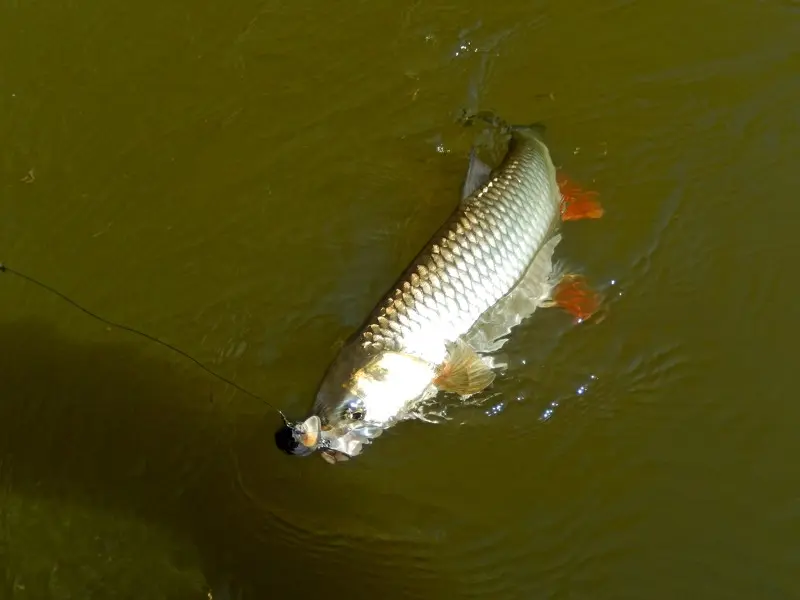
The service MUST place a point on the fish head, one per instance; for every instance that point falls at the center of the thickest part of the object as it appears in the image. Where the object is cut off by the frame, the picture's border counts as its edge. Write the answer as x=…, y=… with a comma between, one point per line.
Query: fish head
x=371, y=400
x=338, y=434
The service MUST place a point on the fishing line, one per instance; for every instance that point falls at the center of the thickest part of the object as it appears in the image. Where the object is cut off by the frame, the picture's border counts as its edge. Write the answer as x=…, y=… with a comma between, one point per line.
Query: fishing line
x=55, y=292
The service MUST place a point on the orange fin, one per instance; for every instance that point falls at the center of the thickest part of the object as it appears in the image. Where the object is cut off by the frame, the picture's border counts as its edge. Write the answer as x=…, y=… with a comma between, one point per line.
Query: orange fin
x=464, y=372
x=574, y=295
x=310, y=429
x=577, y=203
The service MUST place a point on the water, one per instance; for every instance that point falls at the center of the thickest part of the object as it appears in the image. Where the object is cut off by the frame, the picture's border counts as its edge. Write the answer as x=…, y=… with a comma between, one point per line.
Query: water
x=246, y=180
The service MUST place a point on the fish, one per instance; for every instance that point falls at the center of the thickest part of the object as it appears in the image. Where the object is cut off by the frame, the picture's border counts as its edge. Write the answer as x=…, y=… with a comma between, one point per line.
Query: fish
x=486, y=269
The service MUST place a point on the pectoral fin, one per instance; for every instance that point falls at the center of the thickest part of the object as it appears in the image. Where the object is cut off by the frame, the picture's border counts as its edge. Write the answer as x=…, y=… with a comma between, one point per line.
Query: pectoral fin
x=478, y=174
x=463, y=372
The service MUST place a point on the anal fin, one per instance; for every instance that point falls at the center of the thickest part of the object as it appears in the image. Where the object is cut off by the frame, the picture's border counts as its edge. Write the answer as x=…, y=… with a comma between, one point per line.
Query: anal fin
x=463, y=372
x=574, y=295
x=577, y=203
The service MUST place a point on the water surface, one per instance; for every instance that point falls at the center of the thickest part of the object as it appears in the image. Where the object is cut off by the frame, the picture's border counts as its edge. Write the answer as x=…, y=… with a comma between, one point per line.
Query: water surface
x=246, y=180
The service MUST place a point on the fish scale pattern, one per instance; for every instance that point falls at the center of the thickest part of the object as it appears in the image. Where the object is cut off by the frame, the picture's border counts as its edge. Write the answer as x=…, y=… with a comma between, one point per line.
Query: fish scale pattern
x=479, y=256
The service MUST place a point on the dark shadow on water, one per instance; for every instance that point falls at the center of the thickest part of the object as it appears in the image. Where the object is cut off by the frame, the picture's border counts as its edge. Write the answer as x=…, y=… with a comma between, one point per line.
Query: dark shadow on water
x=106, y=425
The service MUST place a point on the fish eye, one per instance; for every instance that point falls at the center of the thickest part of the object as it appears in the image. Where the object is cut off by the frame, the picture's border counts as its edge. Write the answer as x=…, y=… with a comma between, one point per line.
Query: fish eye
x=354, y=412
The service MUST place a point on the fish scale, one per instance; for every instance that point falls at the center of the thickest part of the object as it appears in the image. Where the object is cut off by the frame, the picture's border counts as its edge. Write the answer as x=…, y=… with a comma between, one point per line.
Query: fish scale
x=474, y=260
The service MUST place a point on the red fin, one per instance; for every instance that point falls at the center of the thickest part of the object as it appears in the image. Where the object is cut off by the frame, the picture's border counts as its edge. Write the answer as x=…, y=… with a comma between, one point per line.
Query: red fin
x=464, y=372
x=577, y=203
x=575, y=296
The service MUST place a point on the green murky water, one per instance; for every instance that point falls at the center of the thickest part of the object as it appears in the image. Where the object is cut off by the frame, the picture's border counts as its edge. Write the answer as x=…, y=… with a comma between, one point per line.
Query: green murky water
x=245, y=180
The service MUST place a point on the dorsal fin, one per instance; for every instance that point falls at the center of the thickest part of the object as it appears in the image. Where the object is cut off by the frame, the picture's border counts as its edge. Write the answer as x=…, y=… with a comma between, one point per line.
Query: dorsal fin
x=478, y=174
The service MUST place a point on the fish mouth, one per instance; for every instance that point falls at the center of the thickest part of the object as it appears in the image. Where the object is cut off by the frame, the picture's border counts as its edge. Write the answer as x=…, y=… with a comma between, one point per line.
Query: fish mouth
x=287, y=439
x=335, y=444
